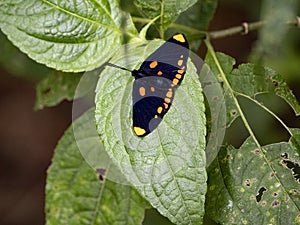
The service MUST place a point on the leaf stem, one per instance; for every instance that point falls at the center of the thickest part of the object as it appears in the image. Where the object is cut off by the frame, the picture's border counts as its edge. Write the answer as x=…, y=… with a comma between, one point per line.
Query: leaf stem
x=267, y=110
x=161, y=26
x=231, y=91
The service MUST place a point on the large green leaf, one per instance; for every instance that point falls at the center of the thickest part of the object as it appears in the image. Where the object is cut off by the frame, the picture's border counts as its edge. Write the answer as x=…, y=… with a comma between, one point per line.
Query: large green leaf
x=167, y=10
x=167, y=166
x=253, y=186
x=65, y=35
x=75, y=195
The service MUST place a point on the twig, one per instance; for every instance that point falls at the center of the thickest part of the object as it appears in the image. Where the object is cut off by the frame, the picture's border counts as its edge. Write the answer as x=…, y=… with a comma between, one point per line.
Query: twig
x=243, y=29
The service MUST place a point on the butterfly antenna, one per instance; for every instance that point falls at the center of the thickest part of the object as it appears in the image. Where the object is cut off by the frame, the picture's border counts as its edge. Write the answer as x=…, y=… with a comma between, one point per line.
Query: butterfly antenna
x=116, y=66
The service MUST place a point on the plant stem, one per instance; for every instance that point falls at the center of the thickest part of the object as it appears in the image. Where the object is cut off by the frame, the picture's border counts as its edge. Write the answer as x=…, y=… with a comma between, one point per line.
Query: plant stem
x=161, y=27
x=235, y=30
x=231, y=91
x=245, y=28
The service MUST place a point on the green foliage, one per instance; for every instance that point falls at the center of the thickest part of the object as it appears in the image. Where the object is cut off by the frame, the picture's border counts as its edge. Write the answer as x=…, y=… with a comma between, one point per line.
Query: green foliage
x=56, y=87
x=167, y=10
x=68, y=35
x=167, y=169
x=75, y=195
x=250, y=80
x=254, y=184
x=257, y=188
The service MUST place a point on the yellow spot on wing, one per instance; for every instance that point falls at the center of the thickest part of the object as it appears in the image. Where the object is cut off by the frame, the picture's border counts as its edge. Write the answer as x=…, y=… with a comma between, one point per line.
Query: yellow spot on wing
x=166, y=105
x=159, y=109
x=178, y=76
x=142, y=91
x=159, y=73
x=179, y=37
x=169, y=93
x=175, y=81
x=153, y=64
x=167, y=100
x=152, y=89
x=139, y=131
x=180, y=61
x=180, y=71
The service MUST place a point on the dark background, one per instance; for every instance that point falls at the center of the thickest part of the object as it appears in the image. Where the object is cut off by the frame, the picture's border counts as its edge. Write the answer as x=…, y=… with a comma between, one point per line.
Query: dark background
x=28, y=137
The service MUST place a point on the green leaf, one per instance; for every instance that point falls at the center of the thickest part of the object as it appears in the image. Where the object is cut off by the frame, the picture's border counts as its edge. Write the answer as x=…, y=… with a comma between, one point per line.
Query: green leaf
x=250, y=186
x=282, y=90
x=252, y=80
x=167, y=166
x=249, y=80
x=66, y=35
x=295, y=139
x=215, y=112
x=75, y=195
x=226, y=61
x=199, y=15
x=56, y=87
x=168, y=10
x=227, y=64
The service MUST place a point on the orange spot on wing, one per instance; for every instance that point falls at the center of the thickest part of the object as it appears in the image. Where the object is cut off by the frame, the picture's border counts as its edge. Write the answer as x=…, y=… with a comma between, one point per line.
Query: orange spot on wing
x=153, y=64
x=180, y=71
x=169, y=93
x=167, y=100
x=142, y=91
x=178, y=76
x=175, y=81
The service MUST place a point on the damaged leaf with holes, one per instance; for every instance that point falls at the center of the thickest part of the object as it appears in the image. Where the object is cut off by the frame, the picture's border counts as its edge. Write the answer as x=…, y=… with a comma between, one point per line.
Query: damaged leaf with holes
x=260, y=185
x=250, y=80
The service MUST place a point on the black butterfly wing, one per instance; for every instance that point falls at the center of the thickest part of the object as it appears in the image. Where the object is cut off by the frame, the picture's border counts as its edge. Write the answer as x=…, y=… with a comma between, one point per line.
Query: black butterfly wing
x=152, y=97
x=155, y=83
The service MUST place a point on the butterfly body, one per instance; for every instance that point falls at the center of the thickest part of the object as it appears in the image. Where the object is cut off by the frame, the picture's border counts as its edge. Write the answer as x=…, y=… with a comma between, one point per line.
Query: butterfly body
x=155, y=83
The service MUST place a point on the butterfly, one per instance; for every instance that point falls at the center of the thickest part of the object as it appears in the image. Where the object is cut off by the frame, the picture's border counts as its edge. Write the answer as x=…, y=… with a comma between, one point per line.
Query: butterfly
x=155, y=83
